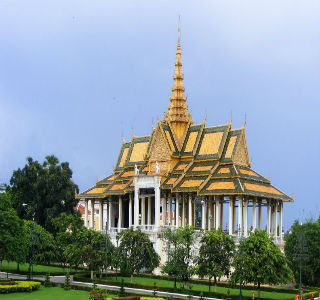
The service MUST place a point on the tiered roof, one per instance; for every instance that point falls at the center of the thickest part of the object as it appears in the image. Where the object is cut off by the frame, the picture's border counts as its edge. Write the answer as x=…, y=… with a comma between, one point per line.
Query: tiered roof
x=192, y=158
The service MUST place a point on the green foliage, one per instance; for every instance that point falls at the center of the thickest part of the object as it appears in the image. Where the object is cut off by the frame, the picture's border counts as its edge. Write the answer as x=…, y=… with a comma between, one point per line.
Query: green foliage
x=67, y=285
x=181, y=260
x=311, y=263
x=97, y=293
x=216, y=253
x=12, y=234
x=122, y=292
x=47, y=281
x=260, y=261
x=20, y=286
x=90, y=247
x=46, y=188
x=136, y=252
x=40, y=244
x=67, y=226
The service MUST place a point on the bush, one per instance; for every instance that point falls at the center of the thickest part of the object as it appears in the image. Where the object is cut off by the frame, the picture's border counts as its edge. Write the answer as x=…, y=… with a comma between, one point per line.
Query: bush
x=20, y=286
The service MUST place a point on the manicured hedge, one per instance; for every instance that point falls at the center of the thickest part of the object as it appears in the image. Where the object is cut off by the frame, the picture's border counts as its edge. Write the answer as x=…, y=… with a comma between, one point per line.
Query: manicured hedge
x=19, y=286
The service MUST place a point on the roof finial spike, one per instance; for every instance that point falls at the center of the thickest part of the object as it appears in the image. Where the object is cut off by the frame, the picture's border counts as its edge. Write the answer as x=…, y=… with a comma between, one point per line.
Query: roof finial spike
x=230, y=122
x=245, y=120
x=152, y=124
x=132, y=132
x=269, y=177
x=97, y=180
x=205, y=117
x=122, y=138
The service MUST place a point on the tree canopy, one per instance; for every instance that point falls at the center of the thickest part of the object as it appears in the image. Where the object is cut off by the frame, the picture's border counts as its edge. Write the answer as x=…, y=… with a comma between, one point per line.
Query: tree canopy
x=215, y=255
x=46, y=188
x=136, y=252
x=180, y=246
x=90, y=247
x=305, y=237
x=12, y=234
x=260, y=261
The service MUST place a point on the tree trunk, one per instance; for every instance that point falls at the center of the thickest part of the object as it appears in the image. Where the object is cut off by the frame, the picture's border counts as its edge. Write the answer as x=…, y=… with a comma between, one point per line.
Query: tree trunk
x=184, y=284
x=258, y=290
x=131, y=278
x=18, y=267
x=215, y=284
x=91, y=275
x=0, y=264
x=209, y=284
x=175, y=282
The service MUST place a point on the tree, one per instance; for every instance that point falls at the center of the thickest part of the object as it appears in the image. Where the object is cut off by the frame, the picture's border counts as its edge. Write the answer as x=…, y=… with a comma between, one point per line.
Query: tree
x=12, y=235
x=259, y=261
x=90, y=247
x=40, y=244
x=66, y=226
x=311, y=261
x=215, y=255
x=46, y=188
x=136, y=252
x=180, y=246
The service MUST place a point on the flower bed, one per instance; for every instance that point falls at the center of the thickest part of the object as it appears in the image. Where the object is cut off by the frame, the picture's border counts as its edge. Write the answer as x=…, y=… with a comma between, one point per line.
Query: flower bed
x=19, y=286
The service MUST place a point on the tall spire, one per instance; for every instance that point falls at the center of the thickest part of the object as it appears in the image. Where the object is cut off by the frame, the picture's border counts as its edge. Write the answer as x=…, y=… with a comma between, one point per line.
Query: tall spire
x=178, y=116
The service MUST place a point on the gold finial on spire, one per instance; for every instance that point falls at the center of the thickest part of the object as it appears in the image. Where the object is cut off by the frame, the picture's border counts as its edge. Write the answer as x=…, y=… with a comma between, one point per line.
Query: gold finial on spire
x=230, y=122
x=75, y=192
x=179, y=32
x=97, y=180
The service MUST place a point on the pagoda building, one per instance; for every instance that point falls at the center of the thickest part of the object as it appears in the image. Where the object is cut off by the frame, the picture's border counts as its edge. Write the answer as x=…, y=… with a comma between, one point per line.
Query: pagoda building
x=186, y=174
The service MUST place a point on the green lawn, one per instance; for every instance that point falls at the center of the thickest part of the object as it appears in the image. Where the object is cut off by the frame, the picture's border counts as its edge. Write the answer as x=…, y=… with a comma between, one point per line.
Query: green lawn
x=204, y=287
x=49, y=293
x=12, y=268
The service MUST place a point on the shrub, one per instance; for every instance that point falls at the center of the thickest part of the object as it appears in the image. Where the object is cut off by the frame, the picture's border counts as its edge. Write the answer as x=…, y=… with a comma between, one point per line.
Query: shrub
x=20, y=286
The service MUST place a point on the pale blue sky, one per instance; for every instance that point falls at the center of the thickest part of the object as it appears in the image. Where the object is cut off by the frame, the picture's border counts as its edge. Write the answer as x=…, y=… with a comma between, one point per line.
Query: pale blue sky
x=75, y=75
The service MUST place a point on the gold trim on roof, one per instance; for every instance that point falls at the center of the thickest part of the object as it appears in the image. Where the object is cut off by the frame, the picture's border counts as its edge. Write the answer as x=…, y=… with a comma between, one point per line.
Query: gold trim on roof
x=224, y=171
x=201, y=168
x=262, y=189
x=138, y=152
x=221, y=185
x=191, y=183
x=124, y=157
x=231, y=145
x=248, y=172
x=211, y=143
x=191, y=141
x=96, y=191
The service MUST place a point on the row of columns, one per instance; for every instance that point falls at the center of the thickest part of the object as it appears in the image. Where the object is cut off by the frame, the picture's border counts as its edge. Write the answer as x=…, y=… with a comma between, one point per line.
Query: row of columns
x=185, y=212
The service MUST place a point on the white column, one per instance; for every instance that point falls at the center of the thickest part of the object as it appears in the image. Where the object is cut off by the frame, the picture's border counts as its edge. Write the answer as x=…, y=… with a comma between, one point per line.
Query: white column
x=221, y=213
x=210, y=216
x=280, y=221
x=217, y=212
x=203, y=215
x=157, y=205
x=268, y=216
x=214, y=206
x=110, y=214
x=143, y=210
x=149, y=210
x=100, y=215
x=240, y=206
x=86, y=213
x=136, y=207
x=164, y=210
x=259, y=214
x=254, y=216
x=92, y=213
x=183, y=211
x=245, y=219
x=130, y=210
x=170, y=209
x=276, y=219
x=177, y=209
x=190, y=209
x=230, y=216
x=120, y=213
x=233, y=214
